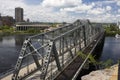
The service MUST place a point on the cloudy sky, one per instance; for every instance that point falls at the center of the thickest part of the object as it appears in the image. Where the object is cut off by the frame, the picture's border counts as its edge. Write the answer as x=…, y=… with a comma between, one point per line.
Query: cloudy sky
x=64, y=10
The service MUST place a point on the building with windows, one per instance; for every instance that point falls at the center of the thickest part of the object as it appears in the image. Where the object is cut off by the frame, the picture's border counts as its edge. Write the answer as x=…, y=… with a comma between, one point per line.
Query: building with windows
x=19, y=14
x=23, y=26
x=7, y=20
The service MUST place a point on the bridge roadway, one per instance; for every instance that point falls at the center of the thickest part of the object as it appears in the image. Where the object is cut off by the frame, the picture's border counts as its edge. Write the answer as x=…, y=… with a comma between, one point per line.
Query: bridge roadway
x=70, y=70
x=73, y=69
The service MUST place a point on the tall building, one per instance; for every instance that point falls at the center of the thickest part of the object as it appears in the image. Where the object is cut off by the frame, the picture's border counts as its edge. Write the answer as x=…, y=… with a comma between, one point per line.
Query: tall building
x=19, y=14
x=0, y=20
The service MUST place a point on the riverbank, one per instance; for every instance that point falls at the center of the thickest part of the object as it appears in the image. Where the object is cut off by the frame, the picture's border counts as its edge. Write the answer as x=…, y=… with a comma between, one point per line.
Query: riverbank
x=112, y=33
x=111, y=30
x=7, y=33
x=105, y=74
x=7, y=30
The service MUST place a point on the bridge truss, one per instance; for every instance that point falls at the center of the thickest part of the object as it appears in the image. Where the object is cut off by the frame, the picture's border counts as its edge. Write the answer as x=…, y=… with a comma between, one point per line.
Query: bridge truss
x=50, y=52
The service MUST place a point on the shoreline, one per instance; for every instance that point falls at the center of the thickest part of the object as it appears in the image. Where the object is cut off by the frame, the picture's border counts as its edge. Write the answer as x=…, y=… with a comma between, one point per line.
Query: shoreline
x=16, y=33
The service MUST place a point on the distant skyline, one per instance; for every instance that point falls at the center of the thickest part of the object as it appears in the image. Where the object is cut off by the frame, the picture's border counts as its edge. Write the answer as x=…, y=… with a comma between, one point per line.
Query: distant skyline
x=64, y=10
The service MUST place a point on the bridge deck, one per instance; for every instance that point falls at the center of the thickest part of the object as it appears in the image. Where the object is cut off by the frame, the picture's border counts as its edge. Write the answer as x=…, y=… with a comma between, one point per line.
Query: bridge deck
x=71, y=69
x=60, y=51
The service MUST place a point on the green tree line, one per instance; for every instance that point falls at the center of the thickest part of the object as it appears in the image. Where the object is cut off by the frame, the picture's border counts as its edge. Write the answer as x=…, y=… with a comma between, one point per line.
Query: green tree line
x=111, y=29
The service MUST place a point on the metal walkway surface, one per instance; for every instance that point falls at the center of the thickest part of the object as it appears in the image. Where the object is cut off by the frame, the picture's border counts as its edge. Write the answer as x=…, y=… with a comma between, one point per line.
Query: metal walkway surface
x=48, y=54
x=69, y=73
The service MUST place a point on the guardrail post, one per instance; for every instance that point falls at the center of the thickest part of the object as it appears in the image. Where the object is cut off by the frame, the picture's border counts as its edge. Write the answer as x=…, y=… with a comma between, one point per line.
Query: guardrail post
x=55, y=54
x=84, y=35
x=34, y=56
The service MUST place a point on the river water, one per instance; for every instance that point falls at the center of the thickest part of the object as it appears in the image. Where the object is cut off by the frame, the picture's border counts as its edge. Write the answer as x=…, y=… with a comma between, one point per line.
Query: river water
x=10, y=47
x=111, y=49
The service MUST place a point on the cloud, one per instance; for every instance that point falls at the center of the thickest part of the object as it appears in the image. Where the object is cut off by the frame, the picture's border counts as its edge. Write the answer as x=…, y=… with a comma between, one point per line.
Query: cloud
x=108, y=8
x=96, y=11
x=32, y=2
x=118, y=3
x=80, y=8
x=60, y=3
x=118, y=10
x=34, y=13
x=7, y=6
x=63, y=10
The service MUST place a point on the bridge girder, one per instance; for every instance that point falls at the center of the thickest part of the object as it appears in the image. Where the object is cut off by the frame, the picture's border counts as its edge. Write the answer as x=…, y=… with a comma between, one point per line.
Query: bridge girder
x=52, y=50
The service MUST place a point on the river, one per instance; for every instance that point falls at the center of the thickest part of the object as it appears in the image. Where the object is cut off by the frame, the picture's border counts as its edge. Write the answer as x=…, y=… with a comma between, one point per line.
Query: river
x=111, y=49
x=10, y=47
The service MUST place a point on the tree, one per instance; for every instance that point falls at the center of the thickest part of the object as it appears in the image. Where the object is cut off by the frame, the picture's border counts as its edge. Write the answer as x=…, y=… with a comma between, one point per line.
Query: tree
x=97, y=64
x=32, y=30
x=113, y=27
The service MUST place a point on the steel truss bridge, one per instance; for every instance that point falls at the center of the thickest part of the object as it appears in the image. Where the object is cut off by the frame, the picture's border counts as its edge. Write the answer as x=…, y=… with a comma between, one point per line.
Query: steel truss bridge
x=54, y=55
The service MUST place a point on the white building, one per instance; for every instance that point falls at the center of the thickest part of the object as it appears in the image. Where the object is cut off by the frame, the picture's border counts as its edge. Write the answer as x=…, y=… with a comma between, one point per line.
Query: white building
x=118, y=24
x=23, y=26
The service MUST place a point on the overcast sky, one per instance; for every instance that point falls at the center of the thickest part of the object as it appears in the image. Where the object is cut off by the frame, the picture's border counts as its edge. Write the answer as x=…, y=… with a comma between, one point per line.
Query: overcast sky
x=64, y=10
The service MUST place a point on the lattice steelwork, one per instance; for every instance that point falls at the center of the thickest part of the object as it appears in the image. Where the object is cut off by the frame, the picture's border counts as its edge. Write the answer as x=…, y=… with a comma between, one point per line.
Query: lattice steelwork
x=50, y=52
